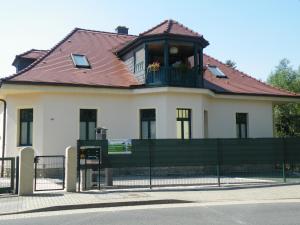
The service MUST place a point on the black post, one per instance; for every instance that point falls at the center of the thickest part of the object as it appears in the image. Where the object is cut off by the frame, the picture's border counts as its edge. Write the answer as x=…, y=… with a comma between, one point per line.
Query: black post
x=150, y=162
x=284, y=160
x=99, y=166
x=78, y=165
x=17, y=175
x=63, y=175
x=85, y=171
x=12, y=173
x=35, y=170
x=218, y=162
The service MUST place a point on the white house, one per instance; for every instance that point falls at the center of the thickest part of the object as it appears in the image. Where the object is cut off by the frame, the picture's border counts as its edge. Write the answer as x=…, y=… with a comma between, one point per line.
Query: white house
x=158, y=84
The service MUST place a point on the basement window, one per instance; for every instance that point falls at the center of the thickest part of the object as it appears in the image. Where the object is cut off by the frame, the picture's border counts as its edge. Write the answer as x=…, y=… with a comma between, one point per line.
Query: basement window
x=216, y=71
x=80, y=61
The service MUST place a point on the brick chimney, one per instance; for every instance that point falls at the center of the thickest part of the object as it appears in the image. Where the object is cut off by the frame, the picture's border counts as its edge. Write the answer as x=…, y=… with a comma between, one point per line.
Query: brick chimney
x=122, y=30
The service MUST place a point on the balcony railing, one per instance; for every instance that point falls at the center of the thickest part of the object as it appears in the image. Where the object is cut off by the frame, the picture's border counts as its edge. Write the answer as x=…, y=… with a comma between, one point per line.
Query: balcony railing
x=170, y=76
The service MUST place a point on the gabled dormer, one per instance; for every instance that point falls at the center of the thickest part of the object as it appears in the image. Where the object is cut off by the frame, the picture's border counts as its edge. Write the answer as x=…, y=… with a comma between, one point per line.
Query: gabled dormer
x=23, y=60
x=168, y=54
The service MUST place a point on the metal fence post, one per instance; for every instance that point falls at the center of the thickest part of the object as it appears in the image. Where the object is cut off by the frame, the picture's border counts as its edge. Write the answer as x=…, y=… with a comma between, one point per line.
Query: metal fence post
x=218, y=162
x=284, y=160
x=12, y=173
x=17, y=175
x=78, y=165
x=150, y=162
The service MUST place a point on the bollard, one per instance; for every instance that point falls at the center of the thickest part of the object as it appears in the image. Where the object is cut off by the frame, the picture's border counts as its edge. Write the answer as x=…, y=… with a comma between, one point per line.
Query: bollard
x=71, y=169
x=26, y=171
x=108, y=177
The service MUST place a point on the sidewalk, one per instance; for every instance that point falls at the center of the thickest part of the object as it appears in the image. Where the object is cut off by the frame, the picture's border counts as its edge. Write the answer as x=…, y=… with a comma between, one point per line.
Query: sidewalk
x=108, y=198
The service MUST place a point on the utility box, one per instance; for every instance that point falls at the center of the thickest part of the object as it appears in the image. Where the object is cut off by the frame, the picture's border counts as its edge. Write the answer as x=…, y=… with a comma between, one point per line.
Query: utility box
x=101, y=134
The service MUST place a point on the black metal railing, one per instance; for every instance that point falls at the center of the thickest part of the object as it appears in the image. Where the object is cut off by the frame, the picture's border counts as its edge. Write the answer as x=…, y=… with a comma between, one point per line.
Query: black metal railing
x=167, y=162
x=49, y=172
x=170, y=76
x=7, y=177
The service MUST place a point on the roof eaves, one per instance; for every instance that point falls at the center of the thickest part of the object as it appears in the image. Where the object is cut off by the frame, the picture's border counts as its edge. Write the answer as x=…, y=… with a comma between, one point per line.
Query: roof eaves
x=43, y=57
x=247, y=75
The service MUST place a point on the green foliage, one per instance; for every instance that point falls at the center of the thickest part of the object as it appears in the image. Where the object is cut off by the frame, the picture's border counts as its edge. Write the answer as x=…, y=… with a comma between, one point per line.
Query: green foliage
x=230, y=63
x=286, y=116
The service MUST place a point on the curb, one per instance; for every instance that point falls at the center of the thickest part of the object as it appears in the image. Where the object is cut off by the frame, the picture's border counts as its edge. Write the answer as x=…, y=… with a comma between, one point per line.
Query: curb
x=99, y=205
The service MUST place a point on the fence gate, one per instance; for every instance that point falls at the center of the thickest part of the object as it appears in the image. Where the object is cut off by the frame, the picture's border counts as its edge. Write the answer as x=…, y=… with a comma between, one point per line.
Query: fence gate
x=7, y=175
x=49, y=172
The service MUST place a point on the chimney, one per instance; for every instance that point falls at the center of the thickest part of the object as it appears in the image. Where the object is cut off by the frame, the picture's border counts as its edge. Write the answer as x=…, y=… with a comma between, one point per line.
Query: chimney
x=122, y=30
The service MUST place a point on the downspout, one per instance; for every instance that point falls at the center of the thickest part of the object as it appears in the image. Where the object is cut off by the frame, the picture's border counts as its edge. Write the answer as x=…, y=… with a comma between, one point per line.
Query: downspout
x=4, y=135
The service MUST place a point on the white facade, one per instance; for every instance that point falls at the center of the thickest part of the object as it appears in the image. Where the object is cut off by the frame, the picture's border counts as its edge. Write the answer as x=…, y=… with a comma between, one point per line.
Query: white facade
x=56, y=115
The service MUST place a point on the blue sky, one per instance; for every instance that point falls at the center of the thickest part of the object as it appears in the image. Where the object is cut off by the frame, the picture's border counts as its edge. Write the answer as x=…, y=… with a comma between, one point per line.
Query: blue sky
x=256, y=34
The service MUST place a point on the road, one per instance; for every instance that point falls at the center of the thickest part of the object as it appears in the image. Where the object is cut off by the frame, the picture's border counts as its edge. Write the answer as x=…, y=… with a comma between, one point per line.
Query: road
x=254, y=214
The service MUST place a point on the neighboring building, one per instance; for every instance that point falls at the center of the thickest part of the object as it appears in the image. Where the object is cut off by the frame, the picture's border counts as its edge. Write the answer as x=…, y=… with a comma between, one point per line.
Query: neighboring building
x=158, y=84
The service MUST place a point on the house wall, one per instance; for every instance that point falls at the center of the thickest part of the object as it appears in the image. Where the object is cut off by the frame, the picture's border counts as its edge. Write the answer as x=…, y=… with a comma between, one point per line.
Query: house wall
x=1, y=126
x=14, y=104
x=221, y=117
x=56, y=117
x=140, y=65
x=135, y=62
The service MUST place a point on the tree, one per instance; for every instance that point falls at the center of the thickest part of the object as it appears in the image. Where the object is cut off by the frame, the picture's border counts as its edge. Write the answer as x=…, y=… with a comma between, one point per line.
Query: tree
x=230, y=63
x=286, y=116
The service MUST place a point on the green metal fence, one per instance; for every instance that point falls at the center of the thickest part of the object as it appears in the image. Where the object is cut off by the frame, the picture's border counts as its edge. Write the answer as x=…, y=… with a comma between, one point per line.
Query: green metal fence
x=165, y=162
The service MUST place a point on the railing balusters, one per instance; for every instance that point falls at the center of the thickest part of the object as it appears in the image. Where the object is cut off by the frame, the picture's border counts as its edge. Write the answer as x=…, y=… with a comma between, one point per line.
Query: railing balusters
x=173, y=77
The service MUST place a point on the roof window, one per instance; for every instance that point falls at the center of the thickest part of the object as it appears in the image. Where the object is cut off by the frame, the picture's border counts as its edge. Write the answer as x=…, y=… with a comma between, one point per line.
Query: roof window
x=216, y=71
x=80, y=61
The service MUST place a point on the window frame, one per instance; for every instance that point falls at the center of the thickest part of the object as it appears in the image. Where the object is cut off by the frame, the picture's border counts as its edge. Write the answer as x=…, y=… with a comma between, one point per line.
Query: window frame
x=29, y=140
x=148, y=120
x=239, y=125
x=182, y=120
x=216, y=71
x=87, y=134
x=73, y=55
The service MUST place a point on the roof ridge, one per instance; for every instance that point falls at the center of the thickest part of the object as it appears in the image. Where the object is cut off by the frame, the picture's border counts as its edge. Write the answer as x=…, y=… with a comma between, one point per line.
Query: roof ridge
x=151, y=29
x=104, y=32
x=185, y=27
x=170, y=23
x=43, y=57
x=247, y=75
x=30, y=50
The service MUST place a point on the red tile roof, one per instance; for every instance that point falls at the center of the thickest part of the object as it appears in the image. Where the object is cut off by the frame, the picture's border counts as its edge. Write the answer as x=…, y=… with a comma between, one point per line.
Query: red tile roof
x=171, y=27
x=107, y=70
x=33, y=53
x=57, y=65
x=237, y=81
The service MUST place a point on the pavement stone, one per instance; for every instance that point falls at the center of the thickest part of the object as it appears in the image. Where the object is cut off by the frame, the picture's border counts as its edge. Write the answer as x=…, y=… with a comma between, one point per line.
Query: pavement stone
x=17, y=204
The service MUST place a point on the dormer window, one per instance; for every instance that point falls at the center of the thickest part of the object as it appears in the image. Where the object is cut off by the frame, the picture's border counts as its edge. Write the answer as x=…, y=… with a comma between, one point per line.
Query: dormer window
x=216, y=71
x=80, y=61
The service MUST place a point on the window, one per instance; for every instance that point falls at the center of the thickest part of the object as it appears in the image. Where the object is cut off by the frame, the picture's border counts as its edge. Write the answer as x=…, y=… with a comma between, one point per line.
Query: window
x=241, y=125
x=183, y=123
x=80, y=61
x=216, y=71
x=88, y=123
x=148, y=124
x=26, y=120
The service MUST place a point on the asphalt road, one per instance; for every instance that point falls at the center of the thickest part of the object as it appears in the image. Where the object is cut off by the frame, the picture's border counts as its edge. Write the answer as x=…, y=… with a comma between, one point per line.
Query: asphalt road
x=254, y=214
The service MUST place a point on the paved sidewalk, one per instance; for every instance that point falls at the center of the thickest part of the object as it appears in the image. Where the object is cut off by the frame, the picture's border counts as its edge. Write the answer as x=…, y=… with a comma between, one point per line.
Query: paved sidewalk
x=42, y=200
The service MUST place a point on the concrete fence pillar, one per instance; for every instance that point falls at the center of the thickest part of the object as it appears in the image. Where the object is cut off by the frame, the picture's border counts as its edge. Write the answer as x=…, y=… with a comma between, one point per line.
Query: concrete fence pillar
x=71, y=169
x=26, y=171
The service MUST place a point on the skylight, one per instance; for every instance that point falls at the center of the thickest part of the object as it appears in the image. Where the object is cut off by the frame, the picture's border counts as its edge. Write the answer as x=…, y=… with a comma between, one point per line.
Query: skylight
x=80, y=61
x=216, y=71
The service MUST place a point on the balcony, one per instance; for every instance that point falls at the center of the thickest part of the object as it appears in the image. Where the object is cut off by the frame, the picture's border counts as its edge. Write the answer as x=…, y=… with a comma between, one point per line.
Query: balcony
x=170, y=76
x=173, y=63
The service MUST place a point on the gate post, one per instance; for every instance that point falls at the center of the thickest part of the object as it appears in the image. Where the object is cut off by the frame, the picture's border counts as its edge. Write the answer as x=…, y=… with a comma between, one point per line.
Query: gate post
x=26, y=171
x=71, y=169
